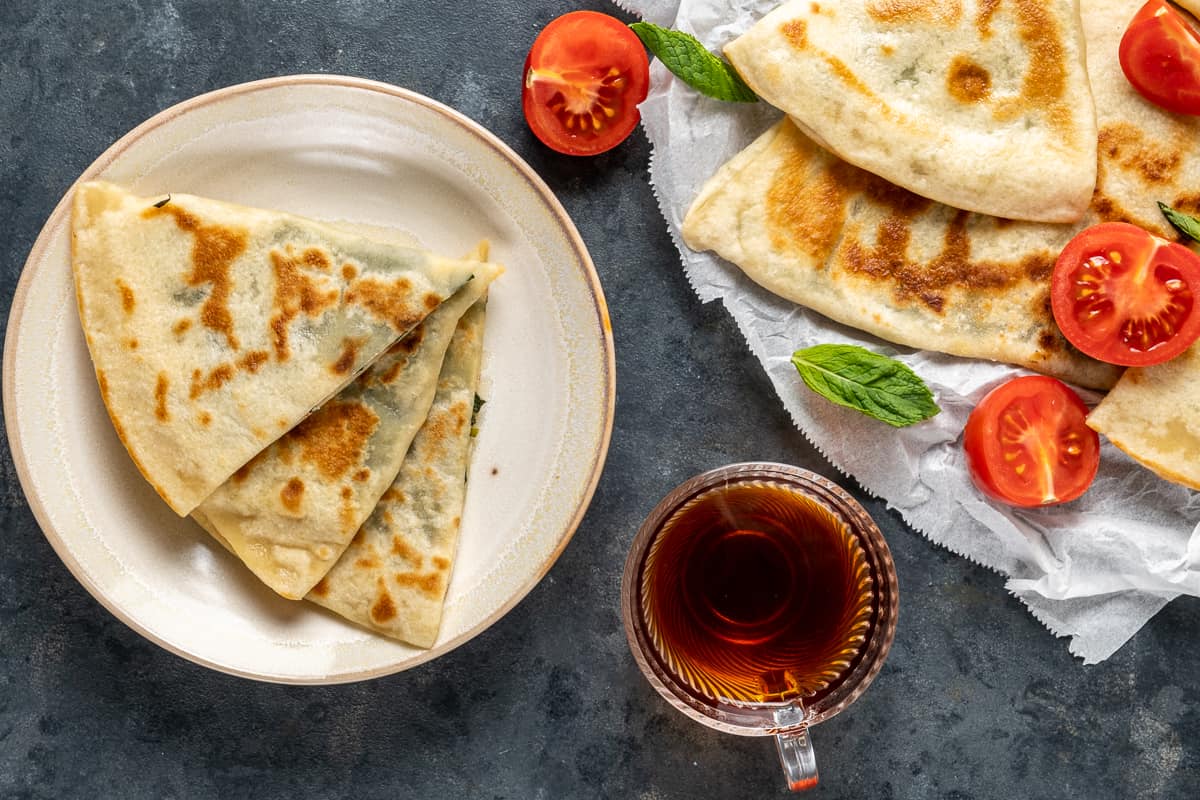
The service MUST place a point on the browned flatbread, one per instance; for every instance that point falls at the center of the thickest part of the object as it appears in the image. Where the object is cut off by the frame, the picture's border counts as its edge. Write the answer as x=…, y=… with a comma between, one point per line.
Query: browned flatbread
x=816, y=230
x=215, y=328
x=977, y=104
x=394, y=575
x=291, y=511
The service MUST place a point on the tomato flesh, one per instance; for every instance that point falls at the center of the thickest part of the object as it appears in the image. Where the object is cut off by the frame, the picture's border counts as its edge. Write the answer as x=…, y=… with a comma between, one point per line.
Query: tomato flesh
x=1160, y=55
x=1027, y=443
x=1125, y=296
x=584, y=77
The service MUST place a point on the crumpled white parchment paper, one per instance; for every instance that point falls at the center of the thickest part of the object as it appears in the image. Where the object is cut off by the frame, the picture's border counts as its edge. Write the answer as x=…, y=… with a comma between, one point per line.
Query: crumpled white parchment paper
x=1096, y=569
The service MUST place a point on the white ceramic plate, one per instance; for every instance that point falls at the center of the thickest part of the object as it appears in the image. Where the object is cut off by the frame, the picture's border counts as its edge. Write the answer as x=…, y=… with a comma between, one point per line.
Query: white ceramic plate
x=339, y=149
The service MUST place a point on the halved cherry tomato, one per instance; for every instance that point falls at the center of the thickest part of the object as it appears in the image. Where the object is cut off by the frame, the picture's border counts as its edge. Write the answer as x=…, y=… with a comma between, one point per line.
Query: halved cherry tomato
x=584, y=77
x=1027, y=443
x=1125, y=296
x=1160, y=55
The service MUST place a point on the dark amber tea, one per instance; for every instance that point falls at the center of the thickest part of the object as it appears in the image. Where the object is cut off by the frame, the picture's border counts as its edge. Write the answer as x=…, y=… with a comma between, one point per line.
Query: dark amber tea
x=753, y=592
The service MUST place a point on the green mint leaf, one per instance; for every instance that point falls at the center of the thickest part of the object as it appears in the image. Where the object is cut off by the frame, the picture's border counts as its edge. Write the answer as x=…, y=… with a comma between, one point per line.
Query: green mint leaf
x=683, y=54
x=876, y=385
x=1186, y=224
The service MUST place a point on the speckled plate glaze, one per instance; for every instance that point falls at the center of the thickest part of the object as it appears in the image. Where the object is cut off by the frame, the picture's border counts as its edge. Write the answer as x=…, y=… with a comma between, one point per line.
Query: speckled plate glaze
x=349, y=150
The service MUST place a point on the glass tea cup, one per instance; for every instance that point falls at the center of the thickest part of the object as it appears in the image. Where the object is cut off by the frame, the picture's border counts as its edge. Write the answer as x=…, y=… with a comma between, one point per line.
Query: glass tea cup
x=760, y=599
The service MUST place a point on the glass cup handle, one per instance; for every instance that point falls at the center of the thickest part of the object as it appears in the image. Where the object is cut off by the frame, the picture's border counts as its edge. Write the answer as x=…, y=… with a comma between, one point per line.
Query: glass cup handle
x=795, y=749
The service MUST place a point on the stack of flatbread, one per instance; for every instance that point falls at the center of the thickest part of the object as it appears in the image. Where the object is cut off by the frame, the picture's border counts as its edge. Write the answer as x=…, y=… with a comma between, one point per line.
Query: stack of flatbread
x=304, y=392
x=935, y=157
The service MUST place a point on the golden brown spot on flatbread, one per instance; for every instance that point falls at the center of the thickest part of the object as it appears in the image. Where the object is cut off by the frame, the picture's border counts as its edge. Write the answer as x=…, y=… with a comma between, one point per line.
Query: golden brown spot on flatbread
x=127, y=299
x=296, y=292
x=259, y=433
x=210, y=383
x=180, y=327
x=213, y=252
x=803, y=215
x=334, y=437
x=806, y=214
x=409, y=342
x=850, y=79
x=441, y=563
x=1187, y=203
x=349, y=272
x=952, y=268
x=362, y=474
x=313, y=258
x=133, y=344
x=348, y=357
x=222, y=374
x=1043, y=86
x=284, y=450
x=292, y=494
x=392, y=302
x=429, y=585
x=393, y=495
x=406, y=551
x=322, y=588
x=160, y=398
x=968, y=82
x=815, y=8
x=887, y=49
x=1123, y=144
x=346, y=514
x=205, y=418
x=393, y=371
x=384, y=608
x=795, y=31
x=253, y=360
x=456, y=522
x=983, y=17
x=370, y=562
x=495, y=470
x=432, y=301
x=947, y=12
x=1120, y=145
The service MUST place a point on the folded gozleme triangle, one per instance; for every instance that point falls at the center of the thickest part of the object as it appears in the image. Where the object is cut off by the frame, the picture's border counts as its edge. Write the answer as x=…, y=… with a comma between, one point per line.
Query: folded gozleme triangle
x=394, y=575
x=215, y=328
x=977, y=104
x=290, y=512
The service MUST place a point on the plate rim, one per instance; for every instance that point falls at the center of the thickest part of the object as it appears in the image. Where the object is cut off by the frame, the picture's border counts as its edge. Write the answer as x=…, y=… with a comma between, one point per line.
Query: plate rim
x=35, y=260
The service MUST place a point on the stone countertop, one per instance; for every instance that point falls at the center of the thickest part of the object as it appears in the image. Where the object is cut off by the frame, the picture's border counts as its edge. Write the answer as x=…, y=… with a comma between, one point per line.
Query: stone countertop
x=976, y=701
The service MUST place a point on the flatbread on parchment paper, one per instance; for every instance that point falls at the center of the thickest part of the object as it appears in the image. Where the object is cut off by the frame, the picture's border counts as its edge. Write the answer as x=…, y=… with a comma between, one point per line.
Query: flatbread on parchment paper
x=215, y=328
x=978, y=104
x=816, y=230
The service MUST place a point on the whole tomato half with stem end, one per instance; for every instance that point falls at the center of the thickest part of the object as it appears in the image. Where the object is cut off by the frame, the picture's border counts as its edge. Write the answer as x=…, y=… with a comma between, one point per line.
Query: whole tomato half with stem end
x=1160, y=55
x=1027, y=443
x=584, y=77
x=1125, y=296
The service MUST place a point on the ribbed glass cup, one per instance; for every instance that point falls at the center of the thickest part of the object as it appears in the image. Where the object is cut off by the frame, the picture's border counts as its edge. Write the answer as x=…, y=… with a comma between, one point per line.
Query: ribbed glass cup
x=869, y=625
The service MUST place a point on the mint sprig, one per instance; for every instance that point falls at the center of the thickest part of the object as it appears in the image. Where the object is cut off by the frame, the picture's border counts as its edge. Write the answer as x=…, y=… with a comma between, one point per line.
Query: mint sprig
x=874, y=384
x=683, y=54
x=1186, y=224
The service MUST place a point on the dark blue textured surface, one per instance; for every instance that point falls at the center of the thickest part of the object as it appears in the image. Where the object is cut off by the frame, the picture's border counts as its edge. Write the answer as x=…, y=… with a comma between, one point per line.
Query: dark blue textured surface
x=976, y=701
